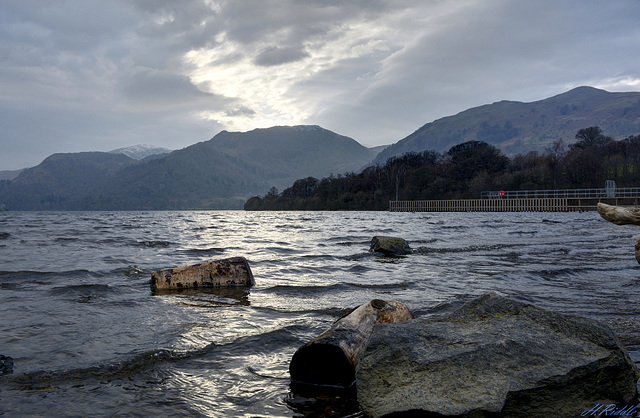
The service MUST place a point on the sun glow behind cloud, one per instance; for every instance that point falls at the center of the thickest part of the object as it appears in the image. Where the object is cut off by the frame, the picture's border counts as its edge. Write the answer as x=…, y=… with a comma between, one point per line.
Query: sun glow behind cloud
x=268, y=95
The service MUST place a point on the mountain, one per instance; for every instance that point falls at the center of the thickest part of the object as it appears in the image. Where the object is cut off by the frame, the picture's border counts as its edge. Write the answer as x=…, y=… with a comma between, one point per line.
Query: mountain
x=287, y=153
x=10, y=174
x=141, y=151
x=63, y=181
x=517, y=127
x=197, y=177
x=220, y=173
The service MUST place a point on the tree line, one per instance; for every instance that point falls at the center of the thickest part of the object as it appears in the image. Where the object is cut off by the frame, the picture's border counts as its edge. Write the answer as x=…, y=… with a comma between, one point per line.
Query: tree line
x=464, y=171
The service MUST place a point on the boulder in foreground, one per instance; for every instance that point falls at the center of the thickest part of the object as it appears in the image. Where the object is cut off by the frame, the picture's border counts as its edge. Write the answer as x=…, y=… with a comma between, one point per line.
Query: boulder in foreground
x=390, y=246
x=494, y=357
x=233, y=271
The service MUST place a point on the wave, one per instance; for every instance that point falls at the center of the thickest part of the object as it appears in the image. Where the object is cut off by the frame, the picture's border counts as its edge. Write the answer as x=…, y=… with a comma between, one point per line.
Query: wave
x=31, y=275
x=4, y=235
x=398, y=285
x=80, y=288
x=44, y=379
x=288, y=289
x=336, y=287
x=66, y=239
x=289, y=336
x=468, y=249
x=203, y=251
x=154, y=243
x=82, y=293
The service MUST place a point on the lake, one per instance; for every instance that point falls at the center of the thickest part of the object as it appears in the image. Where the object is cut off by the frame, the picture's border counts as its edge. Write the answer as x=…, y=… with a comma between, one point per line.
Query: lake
x=89, y=337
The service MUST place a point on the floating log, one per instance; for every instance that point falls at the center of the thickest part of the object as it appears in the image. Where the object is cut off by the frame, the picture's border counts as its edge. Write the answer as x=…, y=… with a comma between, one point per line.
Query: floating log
x=331, y=358
x=620, y=215
x=233, y=271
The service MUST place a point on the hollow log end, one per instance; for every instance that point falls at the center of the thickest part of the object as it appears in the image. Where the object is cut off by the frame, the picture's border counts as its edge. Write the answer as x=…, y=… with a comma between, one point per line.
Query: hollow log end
x=391, y=311
x=322, y=364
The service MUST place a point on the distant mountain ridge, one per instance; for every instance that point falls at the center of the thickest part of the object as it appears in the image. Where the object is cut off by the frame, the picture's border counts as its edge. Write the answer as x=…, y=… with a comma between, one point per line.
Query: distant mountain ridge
x=10, y=174
x=517, y=127
x=223, y=172
x=220, y=173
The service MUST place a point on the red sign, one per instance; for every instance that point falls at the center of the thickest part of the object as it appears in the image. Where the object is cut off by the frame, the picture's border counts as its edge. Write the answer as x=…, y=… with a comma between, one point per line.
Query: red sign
x=502, y=193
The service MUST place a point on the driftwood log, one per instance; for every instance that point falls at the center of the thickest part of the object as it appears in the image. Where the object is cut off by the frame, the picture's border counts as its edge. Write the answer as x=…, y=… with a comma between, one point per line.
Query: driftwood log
x=331, y=358
x=622, y=216
x=227, y=272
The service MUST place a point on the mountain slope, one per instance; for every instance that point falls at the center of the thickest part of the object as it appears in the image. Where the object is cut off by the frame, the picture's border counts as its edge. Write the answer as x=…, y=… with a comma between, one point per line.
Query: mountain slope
x=63, y=181
x=141, y=151
x=196, y=177
x=288, y=153
x=517, y=127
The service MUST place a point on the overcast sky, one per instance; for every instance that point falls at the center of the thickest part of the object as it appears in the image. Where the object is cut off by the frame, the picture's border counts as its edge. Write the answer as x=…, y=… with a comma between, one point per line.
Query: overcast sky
x=95, y=75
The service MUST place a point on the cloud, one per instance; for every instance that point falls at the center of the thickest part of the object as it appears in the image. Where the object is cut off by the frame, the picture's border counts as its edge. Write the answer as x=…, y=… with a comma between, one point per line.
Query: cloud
x=154, y=88
x=97, y=74
x=274, y=55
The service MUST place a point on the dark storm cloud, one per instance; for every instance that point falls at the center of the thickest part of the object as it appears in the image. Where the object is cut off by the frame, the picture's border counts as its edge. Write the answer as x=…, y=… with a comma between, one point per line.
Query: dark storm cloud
x=274, y=55
x=155, y=86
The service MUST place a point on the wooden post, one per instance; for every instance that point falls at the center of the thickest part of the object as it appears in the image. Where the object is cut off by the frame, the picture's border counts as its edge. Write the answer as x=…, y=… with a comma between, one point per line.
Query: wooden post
x=226, y=272
x=331, y=358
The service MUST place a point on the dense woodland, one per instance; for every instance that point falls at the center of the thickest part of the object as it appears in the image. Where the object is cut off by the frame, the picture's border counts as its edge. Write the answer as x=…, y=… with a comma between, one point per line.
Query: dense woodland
x=465, y=171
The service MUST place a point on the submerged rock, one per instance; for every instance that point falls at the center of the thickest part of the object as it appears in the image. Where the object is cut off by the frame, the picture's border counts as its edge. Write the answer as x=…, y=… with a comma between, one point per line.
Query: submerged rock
x=494, y=357
x=390, y=246
x=6, y=365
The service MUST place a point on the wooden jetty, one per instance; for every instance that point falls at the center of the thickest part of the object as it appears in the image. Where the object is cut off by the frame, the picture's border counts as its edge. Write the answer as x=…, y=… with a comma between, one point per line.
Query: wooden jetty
x=570, y=200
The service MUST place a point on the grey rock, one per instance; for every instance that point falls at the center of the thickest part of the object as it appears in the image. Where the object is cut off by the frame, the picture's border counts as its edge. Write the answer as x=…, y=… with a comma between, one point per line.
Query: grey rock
x=390, y=246
x=6, y=365
x=494, y=357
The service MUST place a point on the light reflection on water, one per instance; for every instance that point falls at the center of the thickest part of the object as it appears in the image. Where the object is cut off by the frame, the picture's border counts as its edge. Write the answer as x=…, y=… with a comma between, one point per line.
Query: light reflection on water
x=87, y=334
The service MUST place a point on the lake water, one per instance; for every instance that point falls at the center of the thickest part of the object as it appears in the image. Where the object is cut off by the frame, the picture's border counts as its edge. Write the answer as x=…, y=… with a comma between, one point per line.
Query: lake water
x=89, y=337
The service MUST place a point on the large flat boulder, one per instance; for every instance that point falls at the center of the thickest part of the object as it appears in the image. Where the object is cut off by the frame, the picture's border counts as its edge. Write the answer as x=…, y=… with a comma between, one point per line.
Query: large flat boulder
x=494, y=357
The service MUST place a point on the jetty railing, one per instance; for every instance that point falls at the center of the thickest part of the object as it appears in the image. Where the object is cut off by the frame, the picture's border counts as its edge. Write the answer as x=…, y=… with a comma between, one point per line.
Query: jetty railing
x=557, y=200
x=563, y=193
x=481, y=205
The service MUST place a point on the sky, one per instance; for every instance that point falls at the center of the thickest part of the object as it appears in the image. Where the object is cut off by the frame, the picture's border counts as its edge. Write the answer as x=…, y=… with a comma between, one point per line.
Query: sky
x=96, y=75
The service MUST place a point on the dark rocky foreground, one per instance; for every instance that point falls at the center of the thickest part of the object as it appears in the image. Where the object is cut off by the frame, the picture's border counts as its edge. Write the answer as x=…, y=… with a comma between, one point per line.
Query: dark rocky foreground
x=494, y=357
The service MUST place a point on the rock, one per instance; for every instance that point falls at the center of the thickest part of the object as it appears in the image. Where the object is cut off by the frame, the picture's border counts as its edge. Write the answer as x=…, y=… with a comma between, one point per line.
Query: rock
x=494, y=357
x=390, y=246
x=226, y=272
x=331, y=358
x=6, y=365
